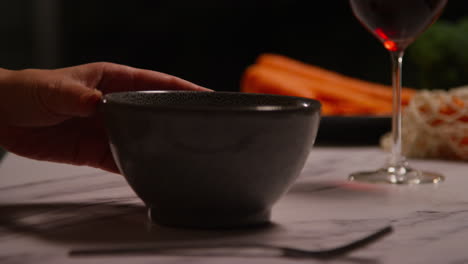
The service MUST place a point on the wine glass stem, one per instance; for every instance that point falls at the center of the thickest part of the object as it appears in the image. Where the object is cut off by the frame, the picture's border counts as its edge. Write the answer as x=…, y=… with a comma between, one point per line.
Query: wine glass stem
x=396, y=158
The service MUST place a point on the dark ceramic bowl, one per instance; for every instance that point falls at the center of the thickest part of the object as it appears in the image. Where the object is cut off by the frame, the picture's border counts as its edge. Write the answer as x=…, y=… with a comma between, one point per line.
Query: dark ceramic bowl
x=209, y=159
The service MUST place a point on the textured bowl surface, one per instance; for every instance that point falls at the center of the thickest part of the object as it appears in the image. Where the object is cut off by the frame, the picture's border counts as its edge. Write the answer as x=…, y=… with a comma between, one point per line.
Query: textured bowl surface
x=209, y=159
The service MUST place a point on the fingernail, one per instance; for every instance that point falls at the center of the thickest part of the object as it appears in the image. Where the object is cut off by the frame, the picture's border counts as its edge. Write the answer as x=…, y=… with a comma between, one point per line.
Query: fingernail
x=90, y=102
x=95, y=96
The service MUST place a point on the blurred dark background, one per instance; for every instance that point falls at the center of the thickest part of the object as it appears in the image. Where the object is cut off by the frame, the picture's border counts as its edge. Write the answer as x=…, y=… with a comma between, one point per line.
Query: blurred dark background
x=209, y=42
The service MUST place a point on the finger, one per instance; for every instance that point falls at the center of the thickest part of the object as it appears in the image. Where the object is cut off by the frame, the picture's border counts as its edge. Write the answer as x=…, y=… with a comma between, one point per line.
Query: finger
x=63, y=100
x=69, y=98
x=117, y=78
x=43, y=98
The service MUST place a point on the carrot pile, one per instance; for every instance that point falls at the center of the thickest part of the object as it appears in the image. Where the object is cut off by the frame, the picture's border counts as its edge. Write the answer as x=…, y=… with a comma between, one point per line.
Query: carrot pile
x=339, y=94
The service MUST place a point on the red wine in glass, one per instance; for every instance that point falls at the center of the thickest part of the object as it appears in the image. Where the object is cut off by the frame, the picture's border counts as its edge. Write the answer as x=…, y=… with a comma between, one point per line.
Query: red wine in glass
x=397, y=23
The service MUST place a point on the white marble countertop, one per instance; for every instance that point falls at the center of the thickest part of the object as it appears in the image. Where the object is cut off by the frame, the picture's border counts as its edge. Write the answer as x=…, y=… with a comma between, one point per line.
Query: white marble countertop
x=48, y=209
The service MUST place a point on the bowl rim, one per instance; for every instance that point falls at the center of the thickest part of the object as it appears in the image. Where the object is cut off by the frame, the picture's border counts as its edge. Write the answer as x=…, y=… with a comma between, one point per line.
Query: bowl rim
x=301, y=105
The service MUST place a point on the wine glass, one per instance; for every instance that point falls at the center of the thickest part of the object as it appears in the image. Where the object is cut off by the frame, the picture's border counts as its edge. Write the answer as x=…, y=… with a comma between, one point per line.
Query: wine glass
x=397, y=23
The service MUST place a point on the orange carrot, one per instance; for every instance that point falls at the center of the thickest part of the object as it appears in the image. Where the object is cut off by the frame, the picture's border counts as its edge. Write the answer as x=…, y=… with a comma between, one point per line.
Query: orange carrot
x=266, y=79
x=311, y=72
x=342, y=108
x=455, y=106
x=458, y=102
x=258, y=80
x=463, y=119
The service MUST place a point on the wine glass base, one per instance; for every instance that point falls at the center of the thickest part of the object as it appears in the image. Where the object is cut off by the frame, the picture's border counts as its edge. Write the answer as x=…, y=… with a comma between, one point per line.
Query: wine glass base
x=399, y=175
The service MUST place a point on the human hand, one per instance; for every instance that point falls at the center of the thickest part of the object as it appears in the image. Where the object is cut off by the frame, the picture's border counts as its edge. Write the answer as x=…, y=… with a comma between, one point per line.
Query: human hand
x=50, y=114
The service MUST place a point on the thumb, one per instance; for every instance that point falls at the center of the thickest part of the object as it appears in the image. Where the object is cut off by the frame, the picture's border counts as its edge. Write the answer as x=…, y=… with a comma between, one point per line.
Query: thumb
x=68, y=99
x=40, y=98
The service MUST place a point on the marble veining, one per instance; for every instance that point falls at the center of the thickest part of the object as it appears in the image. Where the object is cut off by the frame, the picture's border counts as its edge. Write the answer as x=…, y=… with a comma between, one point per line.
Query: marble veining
x=46, y=210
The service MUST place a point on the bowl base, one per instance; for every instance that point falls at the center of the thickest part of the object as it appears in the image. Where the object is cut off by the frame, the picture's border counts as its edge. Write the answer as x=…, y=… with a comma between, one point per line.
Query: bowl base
x=199, y=221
